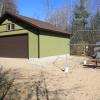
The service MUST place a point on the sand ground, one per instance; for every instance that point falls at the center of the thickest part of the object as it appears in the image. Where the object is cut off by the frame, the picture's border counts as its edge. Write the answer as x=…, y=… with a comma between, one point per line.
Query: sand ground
x=80, y=83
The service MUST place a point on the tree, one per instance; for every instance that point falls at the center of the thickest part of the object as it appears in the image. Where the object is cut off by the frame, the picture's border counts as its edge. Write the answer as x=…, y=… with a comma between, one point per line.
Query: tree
x=79, y=23
x=59, y=18
x=1, y=6
x=8, y=6
x=95, y=23
x=47, y=7
x=81, y=16
x=56, y=17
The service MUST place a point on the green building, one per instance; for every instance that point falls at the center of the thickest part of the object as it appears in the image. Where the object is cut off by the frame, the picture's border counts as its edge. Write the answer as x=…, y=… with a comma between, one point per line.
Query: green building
x=23, y=37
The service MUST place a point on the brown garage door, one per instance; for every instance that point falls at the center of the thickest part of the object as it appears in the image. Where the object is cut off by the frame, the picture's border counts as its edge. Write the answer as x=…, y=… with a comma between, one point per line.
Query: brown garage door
x=15, y=46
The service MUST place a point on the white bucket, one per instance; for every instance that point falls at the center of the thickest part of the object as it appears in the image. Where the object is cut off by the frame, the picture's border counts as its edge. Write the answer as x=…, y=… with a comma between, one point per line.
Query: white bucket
x=85, y=62
x=66, y=69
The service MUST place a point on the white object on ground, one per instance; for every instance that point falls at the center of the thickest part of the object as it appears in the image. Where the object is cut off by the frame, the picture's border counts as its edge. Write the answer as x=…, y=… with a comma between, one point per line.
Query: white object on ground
x=66, y=69
x=85, y=62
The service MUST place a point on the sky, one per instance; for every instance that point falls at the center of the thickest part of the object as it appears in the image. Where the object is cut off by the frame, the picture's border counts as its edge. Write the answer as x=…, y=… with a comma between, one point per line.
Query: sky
x=30, y=8
x=36, y=8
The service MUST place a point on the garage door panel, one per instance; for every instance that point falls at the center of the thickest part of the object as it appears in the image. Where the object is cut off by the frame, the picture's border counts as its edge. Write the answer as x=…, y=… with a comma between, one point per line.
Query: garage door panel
x=14, y=46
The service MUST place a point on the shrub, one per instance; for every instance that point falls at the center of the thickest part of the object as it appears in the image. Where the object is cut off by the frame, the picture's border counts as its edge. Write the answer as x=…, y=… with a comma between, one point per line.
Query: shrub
x=6, y=83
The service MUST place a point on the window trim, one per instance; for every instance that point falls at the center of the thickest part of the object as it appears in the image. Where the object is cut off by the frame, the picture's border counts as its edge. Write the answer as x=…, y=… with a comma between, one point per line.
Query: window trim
x=10, y=26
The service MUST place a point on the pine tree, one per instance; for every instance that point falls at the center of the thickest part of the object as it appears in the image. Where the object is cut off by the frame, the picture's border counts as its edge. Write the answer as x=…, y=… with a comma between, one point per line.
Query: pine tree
x=80, y=17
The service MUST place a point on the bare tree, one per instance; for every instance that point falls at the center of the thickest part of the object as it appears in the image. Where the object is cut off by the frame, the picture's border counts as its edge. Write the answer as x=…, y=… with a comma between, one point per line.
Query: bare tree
x=59, y=18
x=8, y=6
x=5, y=83
x=56, y=17
x=47, y=6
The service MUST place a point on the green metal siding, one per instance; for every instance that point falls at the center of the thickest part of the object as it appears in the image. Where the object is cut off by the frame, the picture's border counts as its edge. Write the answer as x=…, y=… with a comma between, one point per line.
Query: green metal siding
x=47, y=44
x=53, y=45
x=32, y=38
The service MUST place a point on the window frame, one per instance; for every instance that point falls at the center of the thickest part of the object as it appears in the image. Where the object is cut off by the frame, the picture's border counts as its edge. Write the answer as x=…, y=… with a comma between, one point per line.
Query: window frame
x=10, y=26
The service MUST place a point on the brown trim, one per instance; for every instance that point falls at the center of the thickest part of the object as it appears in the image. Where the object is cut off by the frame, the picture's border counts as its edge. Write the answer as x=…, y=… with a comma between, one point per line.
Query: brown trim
x=27, y=45
x=34, y=23
x=13, y=34
x=11, y=30
x=48, y=33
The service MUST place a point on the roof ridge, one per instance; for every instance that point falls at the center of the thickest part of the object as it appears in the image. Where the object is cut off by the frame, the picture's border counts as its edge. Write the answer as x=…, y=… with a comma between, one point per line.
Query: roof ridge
x=37, y=23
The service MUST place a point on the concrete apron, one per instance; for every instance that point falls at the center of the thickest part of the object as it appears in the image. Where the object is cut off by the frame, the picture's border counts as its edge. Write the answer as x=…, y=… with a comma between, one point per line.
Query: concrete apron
x=47, y=60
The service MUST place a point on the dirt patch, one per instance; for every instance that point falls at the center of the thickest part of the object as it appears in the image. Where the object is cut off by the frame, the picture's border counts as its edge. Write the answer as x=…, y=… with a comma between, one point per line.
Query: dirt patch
x=50, y=82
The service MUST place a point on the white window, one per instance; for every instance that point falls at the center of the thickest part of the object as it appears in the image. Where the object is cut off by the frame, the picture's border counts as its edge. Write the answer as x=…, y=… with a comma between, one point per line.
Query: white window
x=10, y=27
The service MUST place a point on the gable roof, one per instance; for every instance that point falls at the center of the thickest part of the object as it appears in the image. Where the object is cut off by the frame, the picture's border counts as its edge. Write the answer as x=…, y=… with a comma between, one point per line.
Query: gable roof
x=35, y=23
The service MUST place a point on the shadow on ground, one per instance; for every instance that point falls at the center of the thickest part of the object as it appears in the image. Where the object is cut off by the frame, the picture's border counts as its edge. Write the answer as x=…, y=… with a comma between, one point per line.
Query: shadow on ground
x=91, y=66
